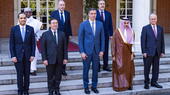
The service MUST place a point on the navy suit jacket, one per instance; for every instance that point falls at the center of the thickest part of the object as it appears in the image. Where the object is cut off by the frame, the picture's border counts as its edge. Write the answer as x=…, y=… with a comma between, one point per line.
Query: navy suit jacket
x=108, y=26
x=66, y=28
x=18, y=47
x=151, y=44
x=88, y=41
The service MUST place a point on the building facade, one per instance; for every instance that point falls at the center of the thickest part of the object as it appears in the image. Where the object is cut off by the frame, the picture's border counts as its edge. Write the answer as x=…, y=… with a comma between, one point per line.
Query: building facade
x=137, y=10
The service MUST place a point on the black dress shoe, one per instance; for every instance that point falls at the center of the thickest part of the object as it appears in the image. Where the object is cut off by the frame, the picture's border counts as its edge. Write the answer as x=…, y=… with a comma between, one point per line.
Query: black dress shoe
x=107, y=69
x=87, y=91
x=146, y=86
x=57, y=92
x=33, y=73
x=64, y=73
x=156, y=85
x=20, y=93
x=51, y=93
x=94, y=90
x=99, y=70
x=130, y=88
x=26, y=93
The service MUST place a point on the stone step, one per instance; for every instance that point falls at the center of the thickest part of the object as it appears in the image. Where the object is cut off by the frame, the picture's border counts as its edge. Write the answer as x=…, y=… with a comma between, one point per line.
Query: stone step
x=72, y=75
x=137, y=90
x=69, y=85
x=5, y=59
x=72, y=66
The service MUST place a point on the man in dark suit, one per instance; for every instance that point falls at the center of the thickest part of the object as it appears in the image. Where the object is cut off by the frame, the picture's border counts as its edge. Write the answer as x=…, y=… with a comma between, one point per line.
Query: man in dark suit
x=91, y=45
x=64, y=24
x=22, y=49
x=54, y=55
x=106, y=18
x=153, y=47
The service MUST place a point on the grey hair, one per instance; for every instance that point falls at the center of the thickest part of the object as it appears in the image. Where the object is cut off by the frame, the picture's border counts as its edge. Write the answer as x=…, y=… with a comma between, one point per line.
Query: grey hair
x=152, y=14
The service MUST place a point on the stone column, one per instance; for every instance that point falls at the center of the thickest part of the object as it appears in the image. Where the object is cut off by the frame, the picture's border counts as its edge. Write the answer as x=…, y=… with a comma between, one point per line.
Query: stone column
x=141, y=12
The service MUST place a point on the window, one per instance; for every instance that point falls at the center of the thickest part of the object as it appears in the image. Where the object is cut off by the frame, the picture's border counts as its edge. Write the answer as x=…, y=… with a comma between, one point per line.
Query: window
x=126, y=9
x=41, y=9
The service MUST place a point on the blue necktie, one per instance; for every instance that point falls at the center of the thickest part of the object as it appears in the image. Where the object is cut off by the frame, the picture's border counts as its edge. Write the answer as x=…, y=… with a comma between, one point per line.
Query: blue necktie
x=23, y=33
x=62, y=18
x=93, y=28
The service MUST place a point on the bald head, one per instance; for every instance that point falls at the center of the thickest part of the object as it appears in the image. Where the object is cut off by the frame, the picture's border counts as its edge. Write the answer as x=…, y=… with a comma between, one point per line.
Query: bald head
x=153, y=19
x=61, y=5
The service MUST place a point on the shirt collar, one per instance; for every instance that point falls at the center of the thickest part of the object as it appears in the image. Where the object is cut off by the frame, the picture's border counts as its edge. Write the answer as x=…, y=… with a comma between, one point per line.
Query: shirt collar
x=101, y=11
x=53, y=30
x=60, y=12
x=153, y=25
x=92, y=21
x=22, y=26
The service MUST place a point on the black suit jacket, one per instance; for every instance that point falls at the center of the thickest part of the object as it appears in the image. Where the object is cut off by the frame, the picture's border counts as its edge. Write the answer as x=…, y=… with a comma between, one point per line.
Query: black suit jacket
x=18, y=47
x=151, y=44
x=50, y=50
x=66, y=28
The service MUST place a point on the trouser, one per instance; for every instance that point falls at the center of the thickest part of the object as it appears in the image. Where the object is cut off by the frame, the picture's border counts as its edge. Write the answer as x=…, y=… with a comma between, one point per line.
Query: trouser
x=154, y=62
x=23, y=74
x=54, y=76
x=94, y=58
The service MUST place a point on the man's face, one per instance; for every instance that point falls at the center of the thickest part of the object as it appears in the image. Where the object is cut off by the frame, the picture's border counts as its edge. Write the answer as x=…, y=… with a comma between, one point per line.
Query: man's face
x=153, y=19
x=126, y=23
x=54, y=24
x=101, y=5
x=92, y=15
x=28, y=13
x=22, y=19
x=61, y=5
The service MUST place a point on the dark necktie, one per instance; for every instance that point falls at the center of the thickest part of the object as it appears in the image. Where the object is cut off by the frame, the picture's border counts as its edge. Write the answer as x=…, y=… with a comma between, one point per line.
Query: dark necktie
x=62, y=18
x=102, y=16
x=55, y=38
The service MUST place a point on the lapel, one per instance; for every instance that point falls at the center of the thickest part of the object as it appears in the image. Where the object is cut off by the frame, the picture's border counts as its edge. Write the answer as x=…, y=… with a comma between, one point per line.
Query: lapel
x=26, y=33
x=65, y=16
x=58, y=14
x=59, y=37
x=89, y=25
x=105, y=15
x=97, y=29
x=158, y=31
x=19, y=32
